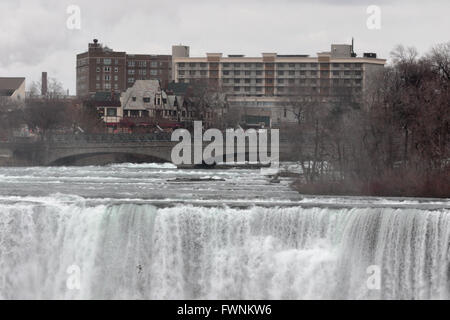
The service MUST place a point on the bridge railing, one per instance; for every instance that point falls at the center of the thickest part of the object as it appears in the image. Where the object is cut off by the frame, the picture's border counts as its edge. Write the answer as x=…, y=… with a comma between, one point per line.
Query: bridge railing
x=109, y=138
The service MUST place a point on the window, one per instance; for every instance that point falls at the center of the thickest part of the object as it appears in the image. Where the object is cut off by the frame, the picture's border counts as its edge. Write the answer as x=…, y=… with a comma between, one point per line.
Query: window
x=247, y=65
x=237, y=73
x=335, y=73
x=281, y=81
x=107, y=86
x=154, y=64
x=336, y=65
x=292, y=73
x=226, y=73
x=107, y=77
x=116, y=61
x=226, y=65
x=97, y=86
x=142, y=64
x=259, y=65
x=281, y=65
x=226, y=80
x=107, y=69
x=98, y=78
x=154, y=72
x=237, y=65
x=131, y=63
x=237, y=89
x=313, y=65
x=131, y=72
x=303, y=73
x=181, y=64
x=259, y=89
x=237, y=80
x=116, y=69
x=313, y=73
x=280, y=89
x=146, y=100
x=357, y=73
x=347, y=73
x=347, y=65
x=269, y=80
x=192, y=72
x=99, y=60
x=130, y=80
x=247, y=89
x=181, y=72
x=269, y=72
x=116, y=86
x=247, y=80
x=107, y=61
x=202, y=65
x=134, y=99
x=203, y=72
x=143, y=72
x=247, y=73
x=111, y=112
x=258, y=73
x=258, y=80
x=302, y=65
x=280, y=73
x=98, y=69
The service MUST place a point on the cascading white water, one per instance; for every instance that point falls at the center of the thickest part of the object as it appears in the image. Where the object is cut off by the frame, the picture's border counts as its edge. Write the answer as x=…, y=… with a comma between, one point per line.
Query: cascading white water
x=185, y=252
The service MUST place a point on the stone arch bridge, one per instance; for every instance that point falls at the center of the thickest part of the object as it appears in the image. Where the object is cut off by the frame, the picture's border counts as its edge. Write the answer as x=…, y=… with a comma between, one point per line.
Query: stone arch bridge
x=97, y=148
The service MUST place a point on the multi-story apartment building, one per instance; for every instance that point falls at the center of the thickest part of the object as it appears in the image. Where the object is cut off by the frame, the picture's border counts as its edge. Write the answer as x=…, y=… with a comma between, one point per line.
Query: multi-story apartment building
x=268, y=81
x=102, y=69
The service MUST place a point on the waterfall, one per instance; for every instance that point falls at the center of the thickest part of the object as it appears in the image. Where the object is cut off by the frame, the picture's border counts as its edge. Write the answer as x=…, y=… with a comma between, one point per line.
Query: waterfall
x=132, y=251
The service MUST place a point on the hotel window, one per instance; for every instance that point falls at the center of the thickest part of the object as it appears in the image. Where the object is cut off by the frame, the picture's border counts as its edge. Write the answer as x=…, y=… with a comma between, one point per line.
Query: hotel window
x=130, y=80
x=247, y=89
x=247, y=73
x=347, y=65
x=269, y=80
x=237, y=73
x=131, y=72
x=203, y=72
x=292, y=73
x=281, y=81
x=226, y=72
x=347, y=73
x=237, y=88
x=258, y=89
x=142, y=64
x=280, y=89
x=154, y=64
x=291, y=65
x=313, y=65
x=181, y=72
x=107, y=86
x=116, y=69
x=302, y=65
x=259, y=65
x=313, y=73
x=226, y=65
x=111, y=112
x=98, y=78
x=247, y=65
x=116, y=61
x=154, y=72
x=269, y=72
x=181, y=65
x=258, y=80
x=281, y=65
x=107, y=61
x=192, y=65
x=107, y=69
x=336, y=65
x=357, y=73
x=258, y=73
x=98, y=69
x=131, y=63
x=202, y=65
x=107, y=77
x=192, y=72
x=247, y=80
x=281, y=73
x=226, y=80
x=146, y=100
x=335, y=73
x=116, y=86
x=97, y=85
x=237, y=80
x=237, y=65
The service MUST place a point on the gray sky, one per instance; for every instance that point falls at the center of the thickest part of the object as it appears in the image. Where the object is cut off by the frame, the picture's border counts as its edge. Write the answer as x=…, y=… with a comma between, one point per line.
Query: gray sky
x=34, y=36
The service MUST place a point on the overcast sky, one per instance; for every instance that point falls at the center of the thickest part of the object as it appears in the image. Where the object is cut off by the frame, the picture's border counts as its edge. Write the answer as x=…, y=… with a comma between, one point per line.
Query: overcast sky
x=34, y=36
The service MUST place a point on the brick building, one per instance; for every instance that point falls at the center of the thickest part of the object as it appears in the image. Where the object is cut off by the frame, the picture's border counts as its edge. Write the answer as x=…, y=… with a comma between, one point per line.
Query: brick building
x=101, y=69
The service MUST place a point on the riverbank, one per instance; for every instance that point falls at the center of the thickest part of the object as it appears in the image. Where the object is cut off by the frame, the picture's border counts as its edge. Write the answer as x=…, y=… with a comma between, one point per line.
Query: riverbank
x=394, y=184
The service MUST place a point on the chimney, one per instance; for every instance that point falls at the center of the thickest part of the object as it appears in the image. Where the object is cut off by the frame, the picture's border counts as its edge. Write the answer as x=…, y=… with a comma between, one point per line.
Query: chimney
x=44, y=87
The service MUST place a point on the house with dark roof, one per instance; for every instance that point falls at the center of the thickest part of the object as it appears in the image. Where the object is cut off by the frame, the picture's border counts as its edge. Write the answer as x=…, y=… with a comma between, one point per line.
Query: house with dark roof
x=12, y=90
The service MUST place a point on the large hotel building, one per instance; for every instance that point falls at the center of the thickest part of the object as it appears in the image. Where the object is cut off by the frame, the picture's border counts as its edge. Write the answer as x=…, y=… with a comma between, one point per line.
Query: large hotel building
x=101, y=69
x=261, y=84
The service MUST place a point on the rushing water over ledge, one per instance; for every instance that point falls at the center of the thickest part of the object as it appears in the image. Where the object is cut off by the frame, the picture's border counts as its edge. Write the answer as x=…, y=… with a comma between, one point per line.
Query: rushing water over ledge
x=135, y=232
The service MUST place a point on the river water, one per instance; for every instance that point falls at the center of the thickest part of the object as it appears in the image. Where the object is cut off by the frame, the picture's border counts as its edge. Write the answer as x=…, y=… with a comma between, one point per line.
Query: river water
x=151, y=231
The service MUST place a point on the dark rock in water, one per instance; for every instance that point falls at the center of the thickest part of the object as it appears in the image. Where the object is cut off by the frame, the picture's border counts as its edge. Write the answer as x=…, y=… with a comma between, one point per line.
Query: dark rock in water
x=275, y=180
